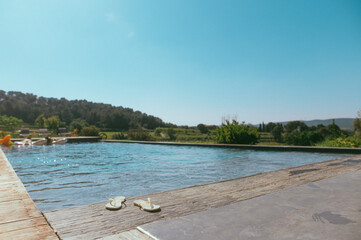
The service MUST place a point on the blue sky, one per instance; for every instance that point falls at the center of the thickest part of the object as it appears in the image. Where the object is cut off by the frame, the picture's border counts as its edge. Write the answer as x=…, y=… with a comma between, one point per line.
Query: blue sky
x=189, y=62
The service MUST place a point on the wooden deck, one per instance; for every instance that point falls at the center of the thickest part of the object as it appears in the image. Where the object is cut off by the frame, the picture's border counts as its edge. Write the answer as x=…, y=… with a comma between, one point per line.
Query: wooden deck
x=95, y=222
x=19, y=217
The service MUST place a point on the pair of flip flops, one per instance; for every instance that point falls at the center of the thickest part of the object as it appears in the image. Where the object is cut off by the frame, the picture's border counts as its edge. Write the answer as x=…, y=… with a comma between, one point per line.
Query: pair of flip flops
x=117, y=203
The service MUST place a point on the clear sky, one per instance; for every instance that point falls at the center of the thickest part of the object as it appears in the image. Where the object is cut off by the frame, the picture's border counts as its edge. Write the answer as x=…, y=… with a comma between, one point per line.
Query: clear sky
x=189, y=61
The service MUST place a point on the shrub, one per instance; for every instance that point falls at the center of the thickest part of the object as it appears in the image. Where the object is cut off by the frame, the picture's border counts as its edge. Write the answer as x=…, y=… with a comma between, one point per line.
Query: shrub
x=78, y=124
x=171, y=134
x=40, y=121
x=235, y=133
x=277, y=133
x=90, y=131
x=10, y=123
x=75, y=132
x=202, y=128
x=334, y=130
x=297, y=138
x=140, y=135
x=157, y=132
x=103, y=135
x=357, y=126
x=53, y=123
x=295, y=125
x=342, y=142
x=306, y=138
x=315, y=137
x=118, y=136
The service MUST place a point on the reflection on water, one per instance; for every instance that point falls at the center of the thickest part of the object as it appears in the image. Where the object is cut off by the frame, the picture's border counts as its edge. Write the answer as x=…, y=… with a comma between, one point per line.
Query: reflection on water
x=77, y=174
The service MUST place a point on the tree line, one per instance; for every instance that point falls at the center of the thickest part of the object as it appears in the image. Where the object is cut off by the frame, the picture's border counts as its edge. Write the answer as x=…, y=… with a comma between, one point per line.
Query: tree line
x=28, y=107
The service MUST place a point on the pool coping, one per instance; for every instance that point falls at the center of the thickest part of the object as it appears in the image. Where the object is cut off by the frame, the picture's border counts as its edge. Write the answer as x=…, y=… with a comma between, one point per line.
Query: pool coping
x=280, y=148
x=19, y=216
x=325, y=209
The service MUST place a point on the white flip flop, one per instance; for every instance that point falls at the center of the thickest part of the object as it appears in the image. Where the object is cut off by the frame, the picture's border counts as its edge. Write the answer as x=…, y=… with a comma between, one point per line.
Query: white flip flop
x=146, y=205
x=116, y=203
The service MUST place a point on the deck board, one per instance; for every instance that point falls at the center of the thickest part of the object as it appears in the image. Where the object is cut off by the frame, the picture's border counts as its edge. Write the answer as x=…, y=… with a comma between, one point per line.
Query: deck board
x=94, y=221
x=128, y=235
x=19, y=217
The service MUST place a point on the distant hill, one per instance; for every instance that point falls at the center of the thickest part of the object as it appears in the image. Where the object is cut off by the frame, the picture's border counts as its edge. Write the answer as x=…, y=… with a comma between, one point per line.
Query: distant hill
x=343, y=123
x=28, y=107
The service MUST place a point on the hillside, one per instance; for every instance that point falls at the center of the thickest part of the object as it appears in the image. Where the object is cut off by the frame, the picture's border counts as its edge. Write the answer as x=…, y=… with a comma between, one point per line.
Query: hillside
x=343, y=123
x=28, y=107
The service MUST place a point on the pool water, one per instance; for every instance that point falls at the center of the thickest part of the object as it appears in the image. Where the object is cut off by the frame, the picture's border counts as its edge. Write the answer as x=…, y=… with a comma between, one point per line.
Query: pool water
x=67, y=175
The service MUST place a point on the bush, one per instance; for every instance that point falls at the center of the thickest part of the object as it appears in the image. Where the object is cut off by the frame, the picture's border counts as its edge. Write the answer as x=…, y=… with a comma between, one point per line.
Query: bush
x=139, y=135
x=171, y=134
x=202, y=128
x=277, y=133
x=295, y=125
x=53, y=123
x=357, y=126
x=342, y=142
x=157, y=132
x=90, y=131
x=334, y=130
x=306, y=138
x=10, y=123
x=235, y=133
x=118, y=136
x=78, y=124
x=103, y=135
x=297, y=138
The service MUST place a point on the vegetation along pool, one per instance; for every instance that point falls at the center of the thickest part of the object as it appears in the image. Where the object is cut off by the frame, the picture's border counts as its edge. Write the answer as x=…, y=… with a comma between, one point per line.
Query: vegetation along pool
x=77, y=174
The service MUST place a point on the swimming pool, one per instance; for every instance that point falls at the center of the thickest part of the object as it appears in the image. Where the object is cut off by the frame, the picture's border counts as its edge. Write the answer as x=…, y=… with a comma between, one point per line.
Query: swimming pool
x=77, y=174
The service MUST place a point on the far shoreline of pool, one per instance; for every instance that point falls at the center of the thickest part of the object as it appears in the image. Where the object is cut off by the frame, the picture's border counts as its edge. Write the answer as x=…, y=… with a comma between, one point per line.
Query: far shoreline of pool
x=281, y=148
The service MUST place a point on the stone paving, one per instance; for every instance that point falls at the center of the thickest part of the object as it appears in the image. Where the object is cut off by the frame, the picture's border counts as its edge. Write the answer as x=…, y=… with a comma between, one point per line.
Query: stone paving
x=325, y=209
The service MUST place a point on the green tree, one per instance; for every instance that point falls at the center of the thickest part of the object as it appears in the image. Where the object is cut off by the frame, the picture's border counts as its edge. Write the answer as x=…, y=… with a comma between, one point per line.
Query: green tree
x=305, y=138
x=118, y=136
x=139, y=134
x=90, y=131
x=269, y=127
x=357, y=125
x=52, y=124
x=157, y=132
x=10, y=123
x=334, y=130
x=40, y=121
x=295, y=125
x=235, y=133
x=171, y=134
x=28, y=107
x=78, y=124
x=277, y=133
x=202, y=128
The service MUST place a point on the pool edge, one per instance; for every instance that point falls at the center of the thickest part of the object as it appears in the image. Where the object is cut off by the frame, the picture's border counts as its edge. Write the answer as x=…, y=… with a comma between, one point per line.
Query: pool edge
x=19, y=216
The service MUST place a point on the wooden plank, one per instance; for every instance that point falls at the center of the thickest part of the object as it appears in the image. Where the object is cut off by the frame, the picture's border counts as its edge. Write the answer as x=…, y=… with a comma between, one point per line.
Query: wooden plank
x=12, y=191
x=22, y=224
x=33, y=233
x=94, y=221
x=18, y=210
x=19, y=217
x=128, y=235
